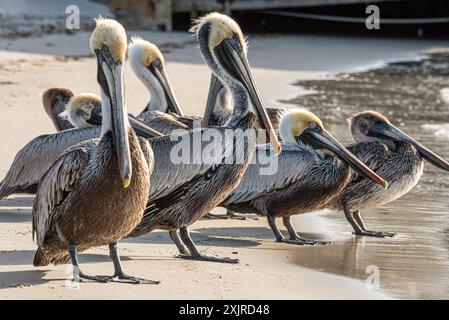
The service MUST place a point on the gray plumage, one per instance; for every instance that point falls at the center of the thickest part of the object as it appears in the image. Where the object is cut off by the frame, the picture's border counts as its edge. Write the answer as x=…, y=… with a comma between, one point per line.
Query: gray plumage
x=37, y=156
x=393, y=155
x=402, y=168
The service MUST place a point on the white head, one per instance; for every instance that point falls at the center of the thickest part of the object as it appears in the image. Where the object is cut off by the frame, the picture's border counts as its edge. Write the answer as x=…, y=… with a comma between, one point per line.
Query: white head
x=82, y=108
x=303, y=127
x=293, y=123
x=148, y=64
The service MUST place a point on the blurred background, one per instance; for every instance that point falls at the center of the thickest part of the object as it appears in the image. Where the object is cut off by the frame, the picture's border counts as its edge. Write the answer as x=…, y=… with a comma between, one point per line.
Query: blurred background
x=413, y=18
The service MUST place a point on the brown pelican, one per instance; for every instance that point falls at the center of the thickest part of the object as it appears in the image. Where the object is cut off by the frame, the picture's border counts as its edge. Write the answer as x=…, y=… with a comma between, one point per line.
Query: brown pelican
x=36, y=157
x=184, y=192
x=55, y=101
x=390, y=153
x=312, y=169
x=96, y=191
x=163, y=112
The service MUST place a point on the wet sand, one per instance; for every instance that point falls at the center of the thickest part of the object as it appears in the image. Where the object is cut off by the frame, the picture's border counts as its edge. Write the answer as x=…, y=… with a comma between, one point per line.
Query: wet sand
x=267, y=270
x=415, y=264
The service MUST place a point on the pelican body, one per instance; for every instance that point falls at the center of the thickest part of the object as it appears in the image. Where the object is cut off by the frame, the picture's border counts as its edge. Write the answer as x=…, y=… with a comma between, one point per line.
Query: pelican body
x=83, y=113
x=186, y=192
x=393, y=155
x=306, y=179
x=95, y=193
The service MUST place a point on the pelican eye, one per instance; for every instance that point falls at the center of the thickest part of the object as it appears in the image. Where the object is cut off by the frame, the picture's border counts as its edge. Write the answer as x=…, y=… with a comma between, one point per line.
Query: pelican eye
x=157, y=63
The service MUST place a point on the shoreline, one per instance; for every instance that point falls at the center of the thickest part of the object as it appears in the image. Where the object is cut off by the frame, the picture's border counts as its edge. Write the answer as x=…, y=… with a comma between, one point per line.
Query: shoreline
x=266, y=270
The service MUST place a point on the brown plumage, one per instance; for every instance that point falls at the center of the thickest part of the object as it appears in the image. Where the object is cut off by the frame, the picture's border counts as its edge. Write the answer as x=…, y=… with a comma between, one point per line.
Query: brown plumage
x=185, y=192
x=94, y=209
x=96, y=191
x=54, y=101
x=393, y=155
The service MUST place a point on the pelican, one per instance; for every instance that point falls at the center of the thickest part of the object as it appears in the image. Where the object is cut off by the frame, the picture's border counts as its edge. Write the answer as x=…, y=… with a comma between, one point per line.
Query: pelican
x=55, y=101
x=82, y=110
x=393, y=155
x=36, y=157
x=163, y=112
x=219, y=106
x=312, y=169
x=184, y=192
x=96, y=191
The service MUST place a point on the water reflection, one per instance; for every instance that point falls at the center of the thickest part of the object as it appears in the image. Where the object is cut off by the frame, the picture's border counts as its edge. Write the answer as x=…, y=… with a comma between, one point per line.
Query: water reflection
x=416, y=263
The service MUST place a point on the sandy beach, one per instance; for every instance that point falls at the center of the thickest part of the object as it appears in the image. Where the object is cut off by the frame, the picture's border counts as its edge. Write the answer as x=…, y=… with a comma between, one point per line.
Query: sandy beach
x=28, y=66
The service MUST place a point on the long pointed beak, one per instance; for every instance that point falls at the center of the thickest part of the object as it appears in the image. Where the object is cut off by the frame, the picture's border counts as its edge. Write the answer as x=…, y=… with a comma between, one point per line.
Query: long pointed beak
x=141, y=129
x=389, y=131
x=235, y=62
x=214, y=89
x=172, y=103
x=326, y=140
x=119, y=119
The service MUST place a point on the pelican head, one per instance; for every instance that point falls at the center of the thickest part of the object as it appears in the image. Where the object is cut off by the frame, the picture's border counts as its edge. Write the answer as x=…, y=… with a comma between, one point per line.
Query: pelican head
x=148, y=64
x=369, y=126
x=224, y=48
x=84, y=110
x=54, y=101
x=303, y=127
x=109, y=43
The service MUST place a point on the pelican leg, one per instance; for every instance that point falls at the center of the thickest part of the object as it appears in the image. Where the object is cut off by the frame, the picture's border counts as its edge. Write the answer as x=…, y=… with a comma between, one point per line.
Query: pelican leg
x=119, y=275
x=272, y=223
x=356, y=221
x=359, y=220
x=78, y=275
x=195, y=254
x=177, y=240
x=295, y=237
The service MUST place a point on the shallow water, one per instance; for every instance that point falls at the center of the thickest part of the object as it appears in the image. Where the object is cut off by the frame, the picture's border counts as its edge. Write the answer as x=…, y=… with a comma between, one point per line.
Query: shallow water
x=414, y=264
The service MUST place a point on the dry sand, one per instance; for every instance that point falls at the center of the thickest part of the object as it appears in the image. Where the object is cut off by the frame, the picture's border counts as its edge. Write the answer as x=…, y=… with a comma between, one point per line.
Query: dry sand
x=30, y=66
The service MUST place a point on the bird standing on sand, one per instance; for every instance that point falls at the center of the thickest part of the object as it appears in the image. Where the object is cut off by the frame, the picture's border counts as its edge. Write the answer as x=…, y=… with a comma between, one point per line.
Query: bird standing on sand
x=390, y=153
x=184, y=192
x=312, y=169
x=96, y=191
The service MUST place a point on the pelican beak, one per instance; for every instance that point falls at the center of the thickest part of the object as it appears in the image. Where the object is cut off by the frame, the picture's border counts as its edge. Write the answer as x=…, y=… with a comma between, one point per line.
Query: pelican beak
x=110, y=78
x=384, y=130
x=142, y=129
x=233, y=59
x=157, y=69
x=214, y=89
x=323, y=139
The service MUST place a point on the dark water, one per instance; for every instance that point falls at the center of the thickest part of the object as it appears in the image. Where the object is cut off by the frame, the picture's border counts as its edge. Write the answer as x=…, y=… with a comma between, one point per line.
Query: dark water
x=415, y=264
